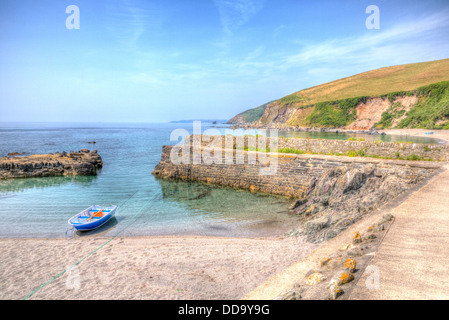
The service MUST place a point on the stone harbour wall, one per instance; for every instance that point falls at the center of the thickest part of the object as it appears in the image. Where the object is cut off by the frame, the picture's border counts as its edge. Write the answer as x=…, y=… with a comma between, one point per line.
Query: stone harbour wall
x=288, y=175
x=435, y=152
x=330, y=192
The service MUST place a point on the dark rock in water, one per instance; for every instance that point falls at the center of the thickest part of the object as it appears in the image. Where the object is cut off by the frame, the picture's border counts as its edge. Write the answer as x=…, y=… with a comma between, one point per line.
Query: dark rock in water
x=16, y=153
x=83, y=162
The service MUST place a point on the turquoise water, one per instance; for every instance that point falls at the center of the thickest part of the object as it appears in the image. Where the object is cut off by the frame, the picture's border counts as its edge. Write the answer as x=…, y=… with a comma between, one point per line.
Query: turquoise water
x=40, y=207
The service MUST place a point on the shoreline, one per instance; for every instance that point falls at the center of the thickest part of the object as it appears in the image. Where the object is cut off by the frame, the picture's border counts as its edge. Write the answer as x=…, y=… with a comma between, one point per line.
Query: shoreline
x=159, y=267
x=439, y=134
x=442, y=135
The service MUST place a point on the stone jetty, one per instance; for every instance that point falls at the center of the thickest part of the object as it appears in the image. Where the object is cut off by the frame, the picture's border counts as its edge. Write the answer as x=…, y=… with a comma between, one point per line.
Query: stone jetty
x=83, y=162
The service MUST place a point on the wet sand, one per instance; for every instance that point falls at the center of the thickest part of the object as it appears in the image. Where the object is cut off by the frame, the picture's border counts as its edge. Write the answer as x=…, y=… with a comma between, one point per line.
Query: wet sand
x=178, y=267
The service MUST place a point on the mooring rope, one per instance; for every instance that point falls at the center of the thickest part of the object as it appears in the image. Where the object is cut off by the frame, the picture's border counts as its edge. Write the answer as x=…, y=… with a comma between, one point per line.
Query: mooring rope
x=132, y=220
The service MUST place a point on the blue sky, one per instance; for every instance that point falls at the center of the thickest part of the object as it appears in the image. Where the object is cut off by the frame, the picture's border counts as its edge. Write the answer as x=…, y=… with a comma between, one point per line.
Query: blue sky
x=163, y=60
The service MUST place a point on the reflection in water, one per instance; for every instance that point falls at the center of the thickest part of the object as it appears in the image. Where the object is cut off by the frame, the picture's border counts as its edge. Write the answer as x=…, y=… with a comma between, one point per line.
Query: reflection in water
x=107, y=227
x=213, y=202
x=22, y=184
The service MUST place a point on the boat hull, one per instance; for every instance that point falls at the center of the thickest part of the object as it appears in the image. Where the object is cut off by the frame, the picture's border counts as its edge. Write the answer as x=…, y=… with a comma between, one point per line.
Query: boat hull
x=85, y=221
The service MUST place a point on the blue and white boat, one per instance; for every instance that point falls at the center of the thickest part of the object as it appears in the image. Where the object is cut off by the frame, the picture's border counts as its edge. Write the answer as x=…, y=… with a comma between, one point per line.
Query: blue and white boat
x=93, y=217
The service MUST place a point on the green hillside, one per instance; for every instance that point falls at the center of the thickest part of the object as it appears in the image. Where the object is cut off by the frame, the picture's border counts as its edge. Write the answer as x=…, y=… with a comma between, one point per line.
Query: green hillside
x=334, y=104
x=373, y=83
x=250, y=115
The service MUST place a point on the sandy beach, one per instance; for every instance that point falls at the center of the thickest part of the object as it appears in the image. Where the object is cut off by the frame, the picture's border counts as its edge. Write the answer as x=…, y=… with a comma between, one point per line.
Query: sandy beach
x=179, y=267
x=437, y=134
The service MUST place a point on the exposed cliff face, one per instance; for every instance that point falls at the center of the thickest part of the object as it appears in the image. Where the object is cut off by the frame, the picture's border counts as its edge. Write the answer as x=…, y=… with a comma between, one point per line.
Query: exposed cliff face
x=424, y=107
x=84, y=162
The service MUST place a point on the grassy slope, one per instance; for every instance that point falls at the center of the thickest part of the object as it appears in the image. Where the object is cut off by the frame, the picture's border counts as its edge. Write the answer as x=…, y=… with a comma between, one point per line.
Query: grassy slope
x=373, y=83
x=252, y=115
x=333, y=104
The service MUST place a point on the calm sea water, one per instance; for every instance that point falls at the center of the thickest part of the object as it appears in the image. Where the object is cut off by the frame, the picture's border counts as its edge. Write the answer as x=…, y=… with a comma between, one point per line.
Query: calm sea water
x=40, y=207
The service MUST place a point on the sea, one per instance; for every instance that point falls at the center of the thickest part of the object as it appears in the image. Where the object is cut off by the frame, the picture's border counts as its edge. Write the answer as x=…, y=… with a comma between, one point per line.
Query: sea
x=148, y=206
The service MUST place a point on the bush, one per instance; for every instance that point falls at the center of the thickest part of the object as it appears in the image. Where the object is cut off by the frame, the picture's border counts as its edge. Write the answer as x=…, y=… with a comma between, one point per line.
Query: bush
x=413, y=157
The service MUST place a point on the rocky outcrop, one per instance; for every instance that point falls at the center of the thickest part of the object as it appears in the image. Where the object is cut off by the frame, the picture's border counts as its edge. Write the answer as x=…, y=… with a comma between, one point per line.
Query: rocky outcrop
x=343, y=195
x=83, y=162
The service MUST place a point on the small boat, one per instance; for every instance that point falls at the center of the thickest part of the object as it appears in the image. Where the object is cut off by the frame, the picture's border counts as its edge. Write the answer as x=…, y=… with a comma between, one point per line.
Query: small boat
x=93, y=217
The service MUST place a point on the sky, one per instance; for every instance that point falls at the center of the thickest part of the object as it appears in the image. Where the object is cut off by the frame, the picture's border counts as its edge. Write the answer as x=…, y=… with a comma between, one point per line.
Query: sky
x=163, y=60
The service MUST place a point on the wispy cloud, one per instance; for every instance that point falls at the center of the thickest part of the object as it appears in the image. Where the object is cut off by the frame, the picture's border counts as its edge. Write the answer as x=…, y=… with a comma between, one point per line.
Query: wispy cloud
x=235, y=13
x=402, y=41
x=129, y=20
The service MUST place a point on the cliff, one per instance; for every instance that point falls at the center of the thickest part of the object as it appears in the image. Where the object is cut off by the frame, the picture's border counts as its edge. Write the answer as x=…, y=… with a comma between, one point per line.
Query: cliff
x=249, y=116
x=407, y=96
x=84, y=162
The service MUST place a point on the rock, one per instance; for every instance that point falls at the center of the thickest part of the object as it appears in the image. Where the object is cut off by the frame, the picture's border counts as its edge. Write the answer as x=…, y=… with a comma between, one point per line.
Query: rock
x=297, y=203
x=388, y=217
x=376, y=227
x=310, y=272
x=315, y=225
x=354, y=252
x=289, y=295
x=347, y=247
x=371, y=237
x=81, y=163
x=312, y=210
x=334, y=292
x=341, y=278
x=312, y=186
x=324, y=261
x=350, y=265
x=356, y=180
x=356, y=238
x=315, y=278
